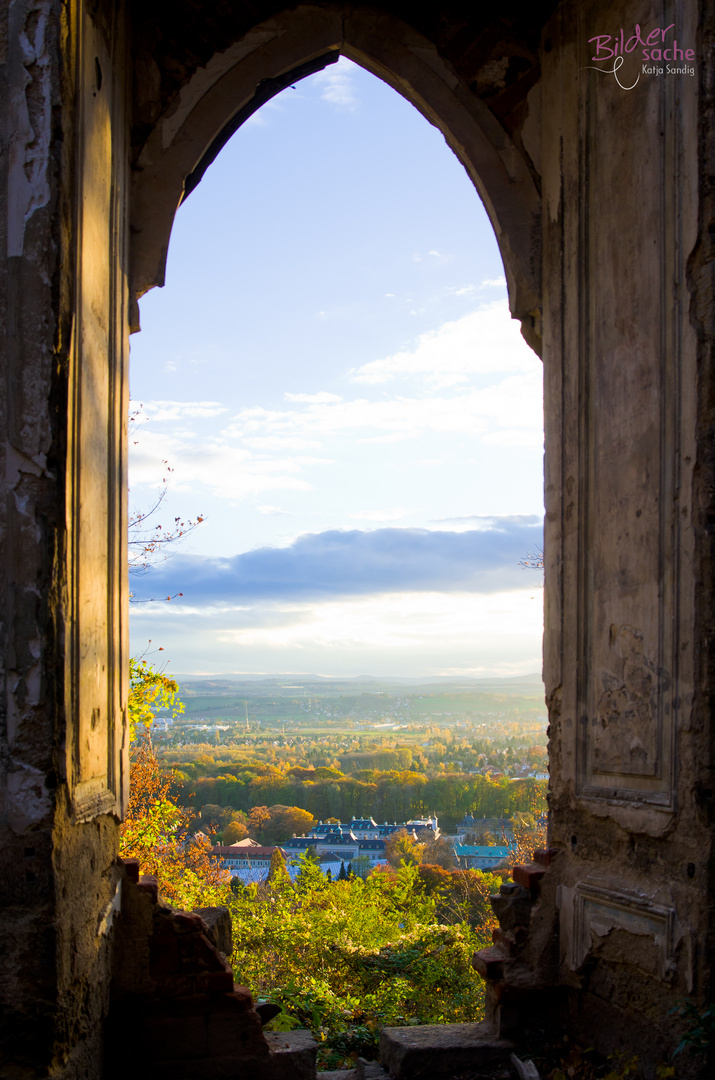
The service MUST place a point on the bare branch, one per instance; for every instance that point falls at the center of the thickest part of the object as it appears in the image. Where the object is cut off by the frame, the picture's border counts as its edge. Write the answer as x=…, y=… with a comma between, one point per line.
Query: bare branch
x=144, y=542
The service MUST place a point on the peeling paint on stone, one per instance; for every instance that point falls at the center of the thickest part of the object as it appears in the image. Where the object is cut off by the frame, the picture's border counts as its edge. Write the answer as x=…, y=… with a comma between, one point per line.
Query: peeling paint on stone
x=30, y=117
x=28, y=801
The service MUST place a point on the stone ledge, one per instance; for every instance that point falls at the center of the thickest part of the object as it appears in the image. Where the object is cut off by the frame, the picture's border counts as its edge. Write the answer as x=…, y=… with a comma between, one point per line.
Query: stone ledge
x=443, y=1050
x=293, y=1055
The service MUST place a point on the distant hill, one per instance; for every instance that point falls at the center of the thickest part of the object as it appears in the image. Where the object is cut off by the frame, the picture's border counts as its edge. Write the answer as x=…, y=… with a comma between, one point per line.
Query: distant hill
x=517, y=684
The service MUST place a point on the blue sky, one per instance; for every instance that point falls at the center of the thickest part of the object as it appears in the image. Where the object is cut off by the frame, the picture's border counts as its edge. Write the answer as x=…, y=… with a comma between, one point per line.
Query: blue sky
x=333, y=375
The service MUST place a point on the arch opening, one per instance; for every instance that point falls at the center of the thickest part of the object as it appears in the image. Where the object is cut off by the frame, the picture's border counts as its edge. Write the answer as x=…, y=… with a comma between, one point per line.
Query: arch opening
x=395, y=813
x=219, y=96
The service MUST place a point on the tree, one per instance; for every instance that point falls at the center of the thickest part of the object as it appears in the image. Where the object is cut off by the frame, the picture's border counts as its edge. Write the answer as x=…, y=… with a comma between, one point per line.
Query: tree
x=401, y=849
x=310, y=877
x=156, y=832
x=461, y=895
x=440, y=852
x=149, y=690
x=271, y=824
x=233, y=832
x=533, y=560
x=311, y=854
x=484, y=838
x=258, y=817
x=361, y=866
x=278, y=876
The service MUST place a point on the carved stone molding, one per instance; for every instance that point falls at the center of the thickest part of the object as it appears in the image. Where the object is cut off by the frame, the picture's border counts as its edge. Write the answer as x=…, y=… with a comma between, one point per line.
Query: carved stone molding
x=590, y=913
x=97, y=654
x=632, y=396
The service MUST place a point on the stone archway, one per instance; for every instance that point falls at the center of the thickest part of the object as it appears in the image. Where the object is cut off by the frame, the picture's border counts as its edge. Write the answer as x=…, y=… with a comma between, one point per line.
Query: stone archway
x=227, y=90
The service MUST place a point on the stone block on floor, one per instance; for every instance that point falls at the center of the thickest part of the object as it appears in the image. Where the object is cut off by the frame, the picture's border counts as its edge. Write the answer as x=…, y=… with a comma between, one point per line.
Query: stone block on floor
x=293, y=1055
x=431, y=1051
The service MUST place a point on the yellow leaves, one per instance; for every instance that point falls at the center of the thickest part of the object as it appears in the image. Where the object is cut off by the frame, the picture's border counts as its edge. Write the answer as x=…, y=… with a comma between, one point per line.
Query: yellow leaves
x=149, y=690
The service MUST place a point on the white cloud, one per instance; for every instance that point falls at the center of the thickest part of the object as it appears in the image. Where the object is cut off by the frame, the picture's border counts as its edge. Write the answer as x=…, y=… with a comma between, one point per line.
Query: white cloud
x=213, y=464
x=399, y=620
x=161, y=411
x=338, y=87
x=397, y=634
x=482, y=342
x=313, y=399
x=281, y=443
x=494, y=283
x=513, y=403
x=479, y=522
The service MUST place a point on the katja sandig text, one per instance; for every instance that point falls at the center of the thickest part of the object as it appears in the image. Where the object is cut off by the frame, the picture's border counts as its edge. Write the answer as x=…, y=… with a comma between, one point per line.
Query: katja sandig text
x=608, y=46
x=667, y=70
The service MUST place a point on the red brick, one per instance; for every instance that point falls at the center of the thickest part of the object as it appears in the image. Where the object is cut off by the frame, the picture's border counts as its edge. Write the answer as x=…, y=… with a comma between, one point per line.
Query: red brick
x=510, y=940
x=238, y=1001
x=131, y=869
x=177, y=1037
x=188, y=1005
x=239, y=1036
x=545, y=856
x=164, y=957
x=529, y=876
x=214, y=982
x=177, y=986
x=162, y=926
x=502, y=938
x=149, y=884
x=489, y=962
x=184, y=922
x=206, y=955
x=186, y=945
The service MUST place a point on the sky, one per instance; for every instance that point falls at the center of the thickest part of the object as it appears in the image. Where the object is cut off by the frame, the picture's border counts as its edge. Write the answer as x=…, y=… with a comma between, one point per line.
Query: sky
x=333, y=377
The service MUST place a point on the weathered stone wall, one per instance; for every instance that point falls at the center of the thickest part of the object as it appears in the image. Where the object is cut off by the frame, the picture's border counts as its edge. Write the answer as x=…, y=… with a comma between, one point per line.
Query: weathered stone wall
x=701, y=285
x=64, y=644
x=629, y=746
x=32, y=511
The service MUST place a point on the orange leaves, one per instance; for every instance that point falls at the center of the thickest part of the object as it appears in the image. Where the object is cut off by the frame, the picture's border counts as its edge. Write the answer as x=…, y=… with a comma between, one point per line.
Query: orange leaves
x=155, y=831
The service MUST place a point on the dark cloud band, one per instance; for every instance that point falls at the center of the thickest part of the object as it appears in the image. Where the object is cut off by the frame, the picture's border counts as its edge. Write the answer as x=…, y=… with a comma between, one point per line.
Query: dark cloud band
x=339, y=563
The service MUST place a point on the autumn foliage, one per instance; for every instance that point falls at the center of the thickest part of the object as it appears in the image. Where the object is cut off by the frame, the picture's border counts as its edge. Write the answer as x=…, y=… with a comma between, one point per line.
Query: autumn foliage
x=155, y=831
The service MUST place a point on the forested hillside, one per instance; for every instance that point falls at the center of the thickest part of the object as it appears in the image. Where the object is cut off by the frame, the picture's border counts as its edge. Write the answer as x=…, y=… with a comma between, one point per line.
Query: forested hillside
x=386, y=795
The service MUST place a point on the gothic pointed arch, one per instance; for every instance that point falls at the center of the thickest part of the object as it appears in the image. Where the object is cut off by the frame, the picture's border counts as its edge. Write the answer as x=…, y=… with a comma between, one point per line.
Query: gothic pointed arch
x=218, y=96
